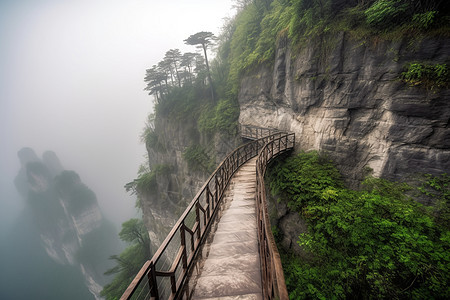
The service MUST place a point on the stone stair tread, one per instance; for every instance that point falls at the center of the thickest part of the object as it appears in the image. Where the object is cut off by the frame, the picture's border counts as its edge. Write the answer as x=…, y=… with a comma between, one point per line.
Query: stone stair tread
x=231, y=269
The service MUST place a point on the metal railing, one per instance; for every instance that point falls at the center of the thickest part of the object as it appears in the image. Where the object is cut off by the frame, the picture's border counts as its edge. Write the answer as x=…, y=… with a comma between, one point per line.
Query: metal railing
x=274, y=286
x=164, y=275
x=254, y=132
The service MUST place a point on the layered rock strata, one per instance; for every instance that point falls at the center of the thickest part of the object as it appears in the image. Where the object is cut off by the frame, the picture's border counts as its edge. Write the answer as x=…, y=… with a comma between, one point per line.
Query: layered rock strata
x=344, y=98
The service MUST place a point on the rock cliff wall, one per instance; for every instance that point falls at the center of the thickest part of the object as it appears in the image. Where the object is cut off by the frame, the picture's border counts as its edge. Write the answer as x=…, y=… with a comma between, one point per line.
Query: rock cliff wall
x=343, y=97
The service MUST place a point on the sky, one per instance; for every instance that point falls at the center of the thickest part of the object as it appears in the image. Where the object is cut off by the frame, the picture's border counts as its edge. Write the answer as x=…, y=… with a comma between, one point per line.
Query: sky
x=71, y=81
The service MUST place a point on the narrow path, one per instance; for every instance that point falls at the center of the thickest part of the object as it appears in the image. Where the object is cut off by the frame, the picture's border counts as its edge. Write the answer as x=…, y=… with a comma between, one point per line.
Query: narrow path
x=231, y=268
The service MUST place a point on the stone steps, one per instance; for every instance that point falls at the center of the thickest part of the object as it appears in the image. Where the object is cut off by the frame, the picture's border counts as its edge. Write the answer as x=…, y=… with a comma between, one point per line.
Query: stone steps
x=231, y=269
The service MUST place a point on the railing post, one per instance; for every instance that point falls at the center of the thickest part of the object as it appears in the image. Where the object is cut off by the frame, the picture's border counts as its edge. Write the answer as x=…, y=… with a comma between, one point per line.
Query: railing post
x=216, y=182
x=237, y=160
x=197, y=219
x=279, y=145
x=183, y=244
x=208, y=202
x=221, y=186
x=153, y=284
x=271, y=144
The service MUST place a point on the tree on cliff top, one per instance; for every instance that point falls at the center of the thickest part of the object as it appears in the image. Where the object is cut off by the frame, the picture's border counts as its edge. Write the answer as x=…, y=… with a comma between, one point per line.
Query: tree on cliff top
x=203, y=38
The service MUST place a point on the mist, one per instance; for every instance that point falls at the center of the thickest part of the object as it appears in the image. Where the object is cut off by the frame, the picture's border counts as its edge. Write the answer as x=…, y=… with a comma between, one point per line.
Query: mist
x=71, y=76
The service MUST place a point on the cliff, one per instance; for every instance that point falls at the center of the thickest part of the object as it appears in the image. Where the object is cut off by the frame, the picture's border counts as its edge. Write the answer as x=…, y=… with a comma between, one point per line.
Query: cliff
x=351, y=105
x=67, y=220
x=336, y=78
x=344, y=98
x=181, y=179
x=341, y=96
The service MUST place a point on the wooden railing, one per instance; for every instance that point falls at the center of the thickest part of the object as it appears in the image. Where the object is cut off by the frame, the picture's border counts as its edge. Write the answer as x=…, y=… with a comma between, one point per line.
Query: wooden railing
x=164, y=275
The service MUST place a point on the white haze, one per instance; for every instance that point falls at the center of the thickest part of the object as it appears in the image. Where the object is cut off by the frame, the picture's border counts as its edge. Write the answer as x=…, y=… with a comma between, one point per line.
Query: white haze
x=71, y=81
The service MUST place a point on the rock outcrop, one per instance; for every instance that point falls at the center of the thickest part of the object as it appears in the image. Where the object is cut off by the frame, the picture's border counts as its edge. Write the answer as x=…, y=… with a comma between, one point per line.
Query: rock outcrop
x=344, y=98
x=67, y=218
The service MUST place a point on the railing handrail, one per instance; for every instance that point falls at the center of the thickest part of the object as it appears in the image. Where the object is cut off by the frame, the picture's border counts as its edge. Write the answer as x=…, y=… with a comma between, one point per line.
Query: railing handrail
x=274, y=286
x=255, y=132
x=211, y=193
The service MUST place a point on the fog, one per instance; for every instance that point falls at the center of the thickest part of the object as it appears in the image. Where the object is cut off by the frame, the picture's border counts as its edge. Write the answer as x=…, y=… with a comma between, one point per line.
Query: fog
x=71, y=81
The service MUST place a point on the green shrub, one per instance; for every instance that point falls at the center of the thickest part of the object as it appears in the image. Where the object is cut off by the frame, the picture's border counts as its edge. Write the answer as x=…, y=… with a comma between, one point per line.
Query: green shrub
x=385, y=13
x=130, y=261
x=303, y=178
x=182, y=102
x=375, y=243
x=207, y=121
x=437, y=188
x=424, y=20
x=221, y=118
x=151, y=140
x=146, y=182
x=429, y=76
x=197, y=158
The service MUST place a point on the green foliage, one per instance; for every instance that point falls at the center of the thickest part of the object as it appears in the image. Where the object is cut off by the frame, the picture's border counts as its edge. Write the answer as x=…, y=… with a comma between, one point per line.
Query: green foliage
x=197, y=158
x=243, y=42
x=385, y=13
x=182, y=102
x=424, y=20
x=303, y=178
x=437, y=188
x=207, y=120
x=129, y=262
x=259, y=26
x=221, y=118
x=134, y=232
x=146, y=181
x=151, y=139
x=227, y=114
x=375, y=243
x=429, y=76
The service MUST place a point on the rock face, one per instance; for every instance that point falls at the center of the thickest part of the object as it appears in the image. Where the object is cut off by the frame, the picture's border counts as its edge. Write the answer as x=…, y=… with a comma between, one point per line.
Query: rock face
x=177, y=187
x=67, y=218
x=348, y=103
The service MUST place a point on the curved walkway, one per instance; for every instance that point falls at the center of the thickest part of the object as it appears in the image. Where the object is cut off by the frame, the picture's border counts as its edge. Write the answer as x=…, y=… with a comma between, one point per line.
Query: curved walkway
x=231, y=266
x=222, y=247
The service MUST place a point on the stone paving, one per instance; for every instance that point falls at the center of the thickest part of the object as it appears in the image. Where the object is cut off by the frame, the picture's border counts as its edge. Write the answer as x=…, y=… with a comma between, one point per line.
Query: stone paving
x=230, y=268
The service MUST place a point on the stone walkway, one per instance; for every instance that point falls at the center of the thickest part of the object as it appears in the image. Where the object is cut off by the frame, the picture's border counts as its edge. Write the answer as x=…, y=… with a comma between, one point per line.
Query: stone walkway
x=230, y=268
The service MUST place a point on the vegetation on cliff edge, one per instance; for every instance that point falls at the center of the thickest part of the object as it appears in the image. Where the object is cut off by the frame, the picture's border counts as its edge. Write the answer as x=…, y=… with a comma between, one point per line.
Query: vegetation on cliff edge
x=130, y=261
x=261, y=23
x=369, y=244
